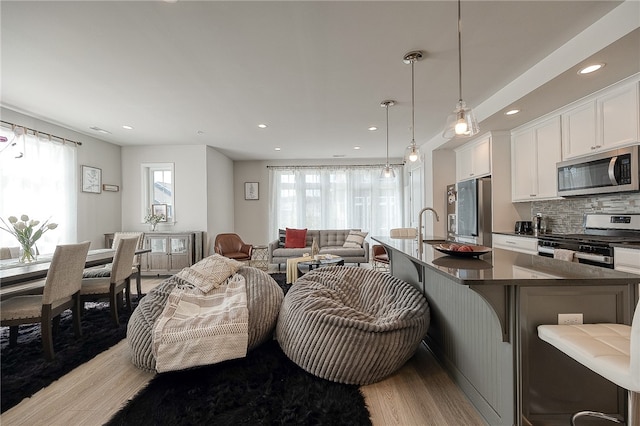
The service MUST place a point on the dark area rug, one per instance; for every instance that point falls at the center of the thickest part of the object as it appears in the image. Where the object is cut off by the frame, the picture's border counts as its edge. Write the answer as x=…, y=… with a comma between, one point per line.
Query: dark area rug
x=265, y=388
x=24, y=371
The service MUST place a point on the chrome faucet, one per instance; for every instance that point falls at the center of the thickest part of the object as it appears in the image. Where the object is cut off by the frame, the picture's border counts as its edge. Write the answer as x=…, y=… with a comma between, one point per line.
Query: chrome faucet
x=420, y=235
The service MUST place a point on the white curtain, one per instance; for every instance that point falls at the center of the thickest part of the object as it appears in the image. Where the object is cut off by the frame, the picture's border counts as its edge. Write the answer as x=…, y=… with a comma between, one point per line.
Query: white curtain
x=38, y=178
x=334, y=198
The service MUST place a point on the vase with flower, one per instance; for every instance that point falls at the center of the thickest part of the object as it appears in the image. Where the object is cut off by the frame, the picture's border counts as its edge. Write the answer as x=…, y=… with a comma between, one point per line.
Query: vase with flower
x=27, y=232
x=153, y=220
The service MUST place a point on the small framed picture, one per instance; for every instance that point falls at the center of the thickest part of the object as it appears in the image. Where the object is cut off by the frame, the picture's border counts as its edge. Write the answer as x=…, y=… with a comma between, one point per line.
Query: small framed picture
x=160, y=209
x=91, y=179
x=110, y=188
x=251, y=191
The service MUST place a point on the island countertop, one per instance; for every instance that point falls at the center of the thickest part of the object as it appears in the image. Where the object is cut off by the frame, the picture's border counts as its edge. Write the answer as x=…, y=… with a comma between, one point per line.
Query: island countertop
x=505, y=267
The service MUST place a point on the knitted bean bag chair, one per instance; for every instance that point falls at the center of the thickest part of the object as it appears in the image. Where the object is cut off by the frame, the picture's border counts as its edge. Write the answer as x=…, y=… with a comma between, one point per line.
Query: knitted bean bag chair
x=351, y=325
x=264, y=298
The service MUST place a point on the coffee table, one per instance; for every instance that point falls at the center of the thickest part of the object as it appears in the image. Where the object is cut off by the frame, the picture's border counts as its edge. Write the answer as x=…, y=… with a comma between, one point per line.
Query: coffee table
x=314, y=264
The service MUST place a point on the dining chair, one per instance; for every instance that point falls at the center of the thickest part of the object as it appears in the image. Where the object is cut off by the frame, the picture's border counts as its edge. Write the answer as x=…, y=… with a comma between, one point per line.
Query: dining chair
x=9, y=252
x=119, y=279
x=61, y=292
x=105, y=270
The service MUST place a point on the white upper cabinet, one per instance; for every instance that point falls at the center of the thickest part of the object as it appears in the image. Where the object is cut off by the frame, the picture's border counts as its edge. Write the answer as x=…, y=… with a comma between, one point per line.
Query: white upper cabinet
x=605, y=121
x=473, y=160
x=535, y=150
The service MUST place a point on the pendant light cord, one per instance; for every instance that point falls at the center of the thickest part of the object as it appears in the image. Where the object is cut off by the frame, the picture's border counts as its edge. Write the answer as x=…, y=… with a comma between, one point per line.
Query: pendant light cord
x=413, y=107
x=387, y=108
x=459, y=52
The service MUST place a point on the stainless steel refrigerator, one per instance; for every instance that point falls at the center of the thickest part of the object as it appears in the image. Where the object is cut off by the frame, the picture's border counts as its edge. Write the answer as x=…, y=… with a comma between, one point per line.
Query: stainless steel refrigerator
x=469, y=211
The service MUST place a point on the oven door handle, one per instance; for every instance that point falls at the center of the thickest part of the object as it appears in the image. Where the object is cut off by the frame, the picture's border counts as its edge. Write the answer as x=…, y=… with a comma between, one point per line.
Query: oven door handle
x=612, y=171
x=608, y=260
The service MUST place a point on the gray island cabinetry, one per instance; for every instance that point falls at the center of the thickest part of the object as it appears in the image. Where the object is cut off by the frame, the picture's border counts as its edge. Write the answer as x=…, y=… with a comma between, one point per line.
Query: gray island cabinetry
x=484, y=317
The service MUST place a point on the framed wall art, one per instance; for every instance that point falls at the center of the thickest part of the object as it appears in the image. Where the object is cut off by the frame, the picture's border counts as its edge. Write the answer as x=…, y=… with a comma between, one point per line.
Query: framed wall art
x=91, y=179
x=251, y=191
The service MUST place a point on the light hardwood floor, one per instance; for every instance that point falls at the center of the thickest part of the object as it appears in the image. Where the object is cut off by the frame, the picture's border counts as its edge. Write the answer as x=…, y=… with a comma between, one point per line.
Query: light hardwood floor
x=420, y=393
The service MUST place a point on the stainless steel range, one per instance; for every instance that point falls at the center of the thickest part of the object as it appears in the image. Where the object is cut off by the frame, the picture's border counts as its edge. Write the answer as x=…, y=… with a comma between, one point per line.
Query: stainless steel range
x=594, y=245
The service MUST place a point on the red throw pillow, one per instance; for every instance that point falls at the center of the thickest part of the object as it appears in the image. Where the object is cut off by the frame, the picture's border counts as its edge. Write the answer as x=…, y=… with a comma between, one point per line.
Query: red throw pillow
x=295, y=238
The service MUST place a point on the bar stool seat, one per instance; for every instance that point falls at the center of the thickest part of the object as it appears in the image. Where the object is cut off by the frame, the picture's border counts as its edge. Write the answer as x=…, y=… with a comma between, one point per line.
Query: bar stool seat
x=610, y=350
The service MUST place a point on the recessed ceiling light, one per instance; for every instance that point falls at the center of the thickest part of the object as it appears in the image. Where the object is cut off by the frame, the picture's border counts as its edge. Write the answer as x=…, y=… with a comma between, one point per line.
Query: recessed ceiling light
x=590, y=68
x=99, y=130
x=262, y=126
x=373, y=128
x=356, y=147
x=127, y=127
x=512, y=112
x=277, y=148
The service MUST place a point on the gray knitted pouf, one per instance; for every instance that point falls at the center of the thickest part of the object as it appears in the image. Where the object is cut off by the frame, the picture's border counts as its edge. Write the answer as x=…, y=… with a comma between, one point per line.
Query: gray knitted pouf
x=264, y=298
x=351, y=325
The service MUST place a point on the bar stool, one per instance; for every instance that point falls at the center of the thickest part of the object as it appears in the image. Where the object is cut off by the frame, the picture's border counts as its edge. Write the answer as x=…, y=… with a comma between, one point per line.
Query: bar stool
x=610, y=350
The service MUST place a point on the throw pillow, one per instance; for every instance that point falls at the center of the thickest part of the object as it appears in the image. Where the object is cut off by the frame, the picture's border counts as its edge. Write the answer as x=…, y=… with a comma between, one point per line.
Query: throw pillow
x=295, y=238
x=282, y=235
x=355, y=239
x=209, y=273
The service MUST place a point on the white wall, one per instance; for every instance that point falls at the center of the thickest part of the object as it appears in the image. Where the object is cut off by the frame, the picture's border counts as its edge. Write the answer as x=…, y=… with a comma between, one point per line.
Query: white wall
x=202, y=175
x=97, y=213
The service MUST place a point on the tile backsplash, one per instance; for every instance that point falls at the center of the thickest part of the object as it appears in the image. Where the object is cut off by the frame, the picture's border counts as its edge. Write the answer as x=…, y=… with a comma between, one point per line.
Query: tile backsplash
x=566, y=215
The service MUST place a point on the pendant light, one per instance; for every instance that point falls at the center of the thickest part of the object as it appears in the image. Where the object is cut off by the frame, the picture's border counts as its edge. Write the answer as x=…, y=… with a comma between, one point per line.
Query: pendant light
x=412, y=153
x=387, y=172
x=462, y=121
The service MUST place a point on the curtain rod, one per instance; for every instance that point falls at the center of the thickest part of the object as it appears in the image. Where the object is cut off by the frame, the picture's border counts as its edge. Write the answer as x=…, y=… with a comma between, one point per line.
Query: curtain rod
x=335, y=166
x=38, y=133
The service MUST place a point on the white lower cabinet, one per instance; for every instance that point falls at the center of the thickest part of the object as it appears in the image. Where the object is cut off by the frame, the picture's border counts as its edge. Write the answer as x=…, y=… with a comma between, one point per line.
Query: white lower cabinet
x=526, y=245
x=626, y=260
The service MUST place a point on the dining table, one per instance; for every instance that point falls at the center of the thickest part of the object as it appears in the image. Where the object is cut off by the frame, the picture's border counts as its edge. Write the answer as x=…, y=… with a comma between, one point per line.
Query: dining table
x=18, y=278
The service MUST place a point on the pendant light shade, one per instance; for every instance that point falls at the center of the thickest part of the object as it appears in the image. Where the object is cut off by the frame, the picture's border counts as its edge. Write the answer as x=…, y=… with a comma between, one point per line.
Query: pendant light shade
x=412, y=153
x=387, y=171
x=462, y=121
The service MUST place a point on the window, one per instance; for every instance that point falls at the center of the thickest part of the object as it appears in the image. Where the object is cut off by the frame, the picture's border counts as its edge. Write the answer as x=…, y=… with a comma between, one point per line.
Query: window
x=157, y=188
x=334, y=198
x=38, y=177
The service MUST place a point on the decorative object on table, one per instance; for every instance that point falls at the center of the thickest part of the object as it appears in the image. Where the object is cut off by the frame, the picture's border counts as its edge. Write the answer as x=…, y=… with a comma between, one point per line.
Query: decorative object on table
x=91, y=179
x=156, y=216
x=462, y=250
x=25, y=371
x=23, y=230
x=263, y=388
x=314, y=248
x=251, y=191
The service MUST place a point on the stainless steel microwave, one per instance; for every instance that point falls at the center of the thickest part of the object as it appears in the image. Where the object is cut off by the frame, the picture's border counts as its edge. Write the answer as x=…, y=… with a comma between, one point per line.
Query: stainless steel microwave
x=607, y=172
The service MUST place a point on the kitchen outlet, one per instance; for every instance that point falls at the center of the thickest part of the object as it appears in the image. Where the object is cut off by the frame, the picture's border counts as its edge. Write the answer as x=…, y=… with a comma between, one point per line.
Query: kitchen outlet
x=569, y=319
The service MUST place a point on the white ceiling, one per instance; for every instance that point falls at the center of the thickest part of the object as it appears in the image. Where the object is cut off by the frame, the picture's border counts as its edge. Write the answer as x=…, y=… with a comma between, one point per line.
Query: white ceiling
x=208, y=72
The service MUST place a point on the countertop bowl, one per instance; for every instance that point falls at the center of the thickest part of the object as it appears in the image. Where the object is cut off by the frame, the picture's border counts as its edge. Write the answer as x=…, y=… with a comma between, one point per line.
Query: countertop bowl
x=447, y=249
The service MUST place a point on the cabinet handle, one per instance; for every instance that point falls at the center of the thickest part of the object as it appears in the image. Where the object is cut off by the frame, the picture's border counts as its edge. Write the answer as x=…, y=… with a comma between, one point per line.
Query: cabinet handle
x=532, y=195
x=510, y=242
x=470, y=174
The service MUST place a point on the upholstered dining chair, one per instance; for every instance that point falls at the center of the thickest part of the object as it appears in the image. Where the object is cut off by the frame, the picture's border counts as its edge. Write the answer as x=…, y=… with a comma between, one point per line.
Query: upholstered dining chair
x=231, y=245
x=9, y=252
x=119, y=279
x=610, y=350
x=61, y=292
x=407, y=233
x=105, y=271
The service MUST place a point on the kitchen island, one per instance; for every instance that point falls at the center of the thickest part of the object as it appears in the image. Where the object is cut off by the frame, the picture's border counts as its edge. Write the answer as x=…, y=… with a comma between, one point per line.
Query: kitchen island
x=484, y=317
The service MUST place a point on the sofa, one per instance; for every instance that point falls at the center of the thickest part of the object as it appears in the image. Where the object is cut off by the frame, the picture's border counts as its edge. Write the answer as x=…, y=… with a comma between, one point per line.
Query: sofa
x=330, y=241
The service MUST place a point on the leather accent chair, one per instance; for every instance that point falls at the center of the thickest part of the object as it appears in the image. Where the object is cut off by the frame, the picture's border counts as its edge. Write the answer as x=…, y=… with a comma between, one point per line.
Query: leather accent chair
x=380, y=258
x=231, y=245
